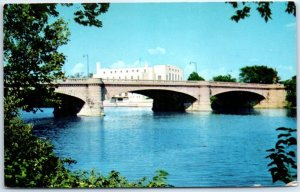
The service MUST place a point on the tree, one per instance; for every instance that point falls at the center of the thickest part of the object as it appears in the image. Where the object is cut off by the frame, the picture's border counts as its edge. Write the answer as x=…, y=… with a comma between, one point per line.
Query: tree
x=263, y=8
x=290, y=86
x=258, y=74
x=195, y=77
x=224, y=78
x=33, y=34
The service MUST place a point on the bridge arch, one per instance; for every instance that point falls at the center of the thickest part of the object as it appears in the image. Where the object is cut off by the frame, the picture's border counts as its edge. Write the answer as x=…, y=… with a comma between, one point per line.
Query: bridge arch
x=69, y=105
x=111, y=91
x=71, y=92
x=164, y=99
x=218, y=91
x=236, y=99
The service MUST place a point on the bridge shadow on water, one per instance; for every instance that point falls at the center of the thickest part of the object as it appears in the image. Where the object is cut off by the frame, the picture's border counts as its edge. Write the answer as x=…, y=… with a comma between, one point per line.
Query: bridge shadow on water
x=236, y=111
x=292, y=113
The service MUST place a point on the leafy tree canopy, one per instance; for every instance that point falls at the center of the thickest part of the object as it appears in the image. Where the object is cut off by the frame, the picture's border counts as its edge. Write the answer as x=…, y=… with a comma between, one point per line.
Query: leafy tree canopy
x=258, y=74
x=224, y=78
x=243, y=9
x=195, y=77
x=32, y=62
x=291, y=86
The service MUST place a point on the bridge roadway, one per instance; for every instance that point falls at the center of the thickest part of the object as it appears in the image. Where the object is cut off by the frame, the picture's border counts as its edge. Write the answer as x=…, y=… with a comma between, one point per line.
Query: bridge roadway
x=86, y=96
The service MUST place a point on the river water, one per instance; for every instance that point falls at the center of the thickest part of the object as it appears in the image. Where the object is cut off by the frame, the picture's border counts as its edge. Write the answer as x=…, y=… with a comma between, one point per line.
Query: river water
x=197, y=149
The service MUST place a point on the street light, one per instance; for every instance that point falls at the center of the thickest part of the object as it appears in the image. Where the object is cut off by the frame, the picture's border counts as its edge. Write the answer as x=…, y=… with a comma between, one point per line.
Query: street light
x=195, y=63
x=87, y=64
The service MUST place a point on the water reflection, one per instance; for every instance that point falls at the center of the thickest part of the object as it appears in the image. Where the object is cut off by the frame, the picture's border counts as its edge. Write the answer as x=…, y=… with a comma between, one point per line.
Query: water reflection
x=237, y=111
x=291, y=112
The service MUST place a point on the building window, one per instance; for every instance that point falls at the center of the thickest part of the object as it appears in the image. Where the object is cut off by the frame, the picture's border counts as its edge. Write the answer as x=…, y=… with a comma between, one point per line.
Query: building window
x=131, y=77
x=126, y=71
x=166, y=77
x=138, y=77
x=159, y=77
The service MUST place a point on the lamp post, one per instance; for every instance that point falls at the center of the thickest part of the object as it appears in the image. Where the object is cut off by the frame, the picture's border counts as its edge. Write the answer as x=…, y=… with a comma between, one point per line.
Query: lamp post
x=87, y=64
x=195, y=64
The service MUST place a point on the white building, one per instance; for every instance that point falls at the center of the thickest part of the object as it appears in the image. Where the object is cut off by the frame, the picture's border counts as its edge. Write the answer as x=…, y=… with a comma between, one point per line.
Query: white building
x=158, y=72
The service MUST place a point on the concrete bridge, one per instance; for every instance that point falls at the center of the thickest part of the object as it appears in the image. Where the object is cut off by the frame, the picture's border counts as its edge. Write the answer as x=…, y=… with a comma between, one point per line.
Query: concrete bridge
x=86, y=96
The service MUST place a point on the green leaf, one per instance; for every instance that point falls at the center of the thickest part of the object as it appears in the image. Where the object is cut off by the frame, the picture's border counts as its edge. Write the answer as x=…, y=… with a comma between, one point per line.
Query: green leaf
x=291, y=153
x=270, y=150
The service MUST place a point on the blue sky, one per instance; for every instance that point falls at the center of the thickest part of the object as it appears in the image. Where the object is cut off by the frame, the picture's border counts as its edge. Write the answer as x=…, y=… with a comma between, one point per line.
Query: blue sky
x=135, y=34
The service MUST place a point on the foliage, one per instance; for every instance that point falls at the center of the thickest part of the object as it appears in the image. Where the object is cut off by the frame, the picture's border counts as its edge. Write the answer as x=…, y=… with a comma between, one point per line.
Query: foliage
x=83, y=179
x=290, y=86
x=195, y=77
x=31, y=58
x=88, y=16
x=283, y=166
x=29, y=161
x=33, y=34
x=258, y=74
x=224, y=78
x=263, y=8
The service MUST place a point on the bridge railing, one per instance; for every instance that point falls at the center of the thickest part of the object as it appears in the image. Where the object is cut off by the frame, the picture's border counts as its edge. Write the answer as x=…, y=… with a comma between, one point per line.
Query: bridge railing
x=136, y=81
x=166, y=82
x=211, y=83
x=244, y=84
x=80, y=81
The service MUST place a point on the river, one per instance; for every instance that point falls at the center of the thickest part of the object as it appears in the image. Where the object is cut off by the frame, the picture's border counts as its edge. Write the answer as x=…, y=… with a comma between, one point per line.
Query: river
x=197, y=149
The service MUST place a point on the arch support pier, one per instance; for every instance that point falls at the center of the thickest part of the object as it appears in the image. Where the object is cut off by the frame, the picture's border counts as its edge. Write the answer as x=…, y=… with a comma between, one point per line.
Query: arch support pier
x=80, y=97
x=203, y=100
x=93, y=105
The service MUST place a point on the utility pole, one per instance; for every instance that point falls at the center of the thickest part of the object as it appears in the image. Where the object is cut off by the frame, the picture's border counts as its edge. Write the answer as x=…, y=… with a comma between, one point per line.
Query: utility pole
x=87, y=64
x=195, y=64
